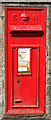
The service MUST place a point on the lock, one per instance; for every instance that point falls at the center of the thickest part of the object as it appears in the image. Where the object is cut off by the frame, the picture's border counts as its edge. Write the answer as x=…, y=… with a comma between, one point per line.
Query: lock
x=18, y=81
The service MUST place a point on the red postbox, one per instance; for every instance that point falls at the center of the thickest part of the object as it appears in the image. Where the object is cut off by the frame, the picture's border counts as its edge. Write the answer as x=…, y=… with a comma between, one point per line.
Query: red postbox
x=25, y=34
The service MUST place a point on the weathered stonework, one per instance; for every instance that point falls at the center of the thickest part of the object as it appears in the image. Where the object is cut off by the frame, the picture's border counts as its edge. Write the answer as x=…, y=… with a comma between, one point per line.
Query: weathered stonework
x=47, y=115
x=25, y=1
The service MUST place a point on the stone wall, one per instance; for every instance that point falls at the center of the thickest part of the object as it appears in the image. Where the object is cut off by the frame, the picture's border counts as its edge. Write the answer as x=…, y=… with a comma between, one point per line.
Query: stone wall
x=47, y=115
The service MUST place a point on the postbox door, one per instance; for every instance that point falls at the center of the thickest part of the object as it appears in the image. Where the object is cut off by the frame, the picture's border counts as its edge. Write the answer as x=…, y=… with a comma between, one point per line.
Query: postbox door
x=25, y=76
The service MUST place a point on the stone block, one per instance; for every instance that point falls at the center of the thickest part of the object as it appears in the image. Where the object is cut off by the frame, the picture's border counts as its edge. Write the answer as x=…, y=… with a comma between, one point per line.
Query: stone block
x=49, y=38
x=50, y=22
x=49, y=65
x=1, y=52
x=0, y=10
x=49, y=51
x=49, y=81
x=50, y=11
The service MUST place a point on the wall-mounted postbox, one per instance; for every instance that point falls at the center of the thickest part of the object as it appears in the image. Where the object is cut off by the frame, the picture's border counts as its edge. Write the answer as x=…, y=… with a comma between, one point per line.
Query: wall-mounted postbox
x=25, y=59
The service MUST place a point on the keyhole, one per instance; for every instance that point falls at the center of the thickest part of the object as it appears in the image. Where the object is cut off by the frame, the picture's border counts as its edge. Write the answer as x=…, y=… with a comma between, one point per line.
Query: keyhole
x=18, y=81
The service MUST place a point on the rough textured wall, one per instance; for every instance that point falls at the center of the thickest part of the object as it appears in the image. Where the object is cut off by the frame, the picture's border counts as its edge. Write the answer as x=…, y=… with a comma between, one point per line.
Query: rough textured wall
x=26, y=1
x=49, y=60
x=2, y=74
x=48, y=65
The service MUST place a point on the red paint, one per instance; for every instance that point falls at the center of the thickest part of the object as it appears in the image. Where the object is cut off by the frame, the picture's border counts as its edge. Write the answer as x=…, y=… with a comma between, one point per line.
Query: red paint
x=25, y=92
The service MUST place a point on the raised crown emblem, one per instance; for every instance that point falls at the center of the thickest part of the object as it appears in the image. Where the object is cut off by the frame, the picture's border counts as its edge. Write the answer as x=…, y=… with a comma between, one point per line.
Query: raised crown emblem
x=24, y=16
